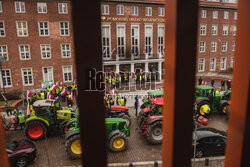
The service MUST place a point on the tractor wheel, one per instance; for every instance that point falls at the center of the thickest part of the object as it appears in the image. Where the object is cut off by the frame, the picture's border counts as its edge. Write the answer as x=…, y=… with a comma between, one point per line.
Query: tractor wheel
x=140, y=119
x=118, y=142
x=127, y=119
x=63, y=128
x=35, y=130
x=224, y=107
x=154, y=135
x=200, y=106
x=73, y=147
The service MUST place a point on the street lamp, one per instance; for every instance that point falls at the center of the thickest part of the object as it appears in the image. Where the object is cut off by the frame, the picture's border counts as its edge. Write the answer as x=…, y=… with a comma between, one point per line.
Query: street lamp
x=2, y=59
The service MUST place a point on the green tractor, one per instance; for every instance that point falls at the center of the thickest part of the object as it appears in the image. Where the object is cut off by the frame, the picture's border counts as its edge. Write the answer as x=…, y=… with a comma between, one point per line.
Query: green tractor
x=208, y=100
x=117, y=136
x=152, y=94
x=46, y=119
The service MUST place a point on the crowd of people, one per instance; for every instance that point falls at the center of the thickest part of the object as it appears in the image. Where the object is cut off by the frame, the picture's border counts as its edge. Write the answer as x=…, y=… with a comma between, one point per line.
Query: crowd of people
x=223, y=83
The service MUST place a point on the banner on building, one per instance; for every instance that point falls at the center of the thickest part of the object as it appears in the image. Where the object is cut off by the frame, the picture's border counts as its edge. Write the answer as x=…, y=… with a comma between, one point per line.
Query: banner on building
x=46, y=84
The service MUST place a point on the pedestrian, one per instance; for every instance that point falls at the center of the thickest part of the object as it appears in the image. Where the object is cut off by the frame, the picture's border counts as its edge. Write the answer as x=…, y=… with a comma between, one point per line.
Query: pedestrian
x=212, y=82
x=117, y=99
x=223, y=85
x=200, y=80
x=21, y=118
x=14, y=121
x=136, y=104
x=229, y=84
x=122, y=101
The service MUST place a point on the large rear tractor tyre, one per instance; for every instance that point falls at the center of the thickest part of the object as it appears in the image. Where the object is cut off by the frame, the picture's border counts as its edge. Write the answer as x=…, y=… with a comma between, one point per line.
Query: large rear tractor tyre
x=201, y=106
x=35, y=130
x=154, y=133
x=127, y=119
x=224, y=108
x=73, y=147
x=118, y=142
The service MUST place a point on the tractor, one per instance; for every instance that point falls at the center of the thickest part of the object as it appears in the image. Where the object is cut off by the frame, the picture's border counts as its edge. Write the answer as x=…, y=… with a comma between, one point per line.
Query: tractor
x=46, y=119
x=208, y=100
x=152, y=94
x=117, y=136
x=150, y=121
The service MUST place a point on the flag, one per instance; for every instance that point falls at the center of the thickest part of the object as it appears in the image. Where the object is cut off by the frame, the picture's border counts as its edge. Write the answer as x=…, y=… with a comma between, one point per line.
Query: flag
x=5, y=99
x=57, y=84
x=63, y=92
x=53, y=88
x=112, y=92
x=72, y=97
x=29, y=94
x=150, y=49
x=49, y=96
x=61, y=84
x=141, y=72
x=28, y=109
x=113, y=51
x=145, y=50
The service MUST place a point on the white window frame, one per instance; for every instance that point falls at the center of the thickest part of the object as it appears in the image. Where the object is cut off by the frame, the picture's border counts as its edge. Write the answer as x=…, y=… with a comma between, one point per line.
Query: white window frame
x=160, y=47
x=214, y=29
x=214, y=64
x=64, y=29
x=21, y=29
x=148, y=11
x=215, y=14
x=67, y=72
x=203, y=14
x=147, y=47
x=1, y=78
x=107, y=52
x=203, y=29
x=68, y=51
x=202, y=48
x=42, y=6
x=2, y=53
x=46, y=51
x=235, y=15
x=3, y=29
x=1, y=7
x=62, y=9
x=137, y=37
x=161, y=11
x=232, y=62
x=105, y=9
x=44, y=29
x=226, y=15
x=134, y=10
x=233, y=45
x=124, y=37
x=52, y=74
x=225, y=63
x=28, y=75
x=226, y=43
x=214, y=46
x=234, y=30
x=20, y=3
x=225, y=30
x=25, y=52
x=120, y=9
x=201, y=65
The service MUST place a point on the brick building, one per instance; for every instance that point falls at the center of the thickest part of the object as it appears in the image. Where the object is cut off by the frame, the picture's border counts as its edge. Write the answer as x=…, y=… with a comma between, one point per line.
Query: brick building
x=36, y=40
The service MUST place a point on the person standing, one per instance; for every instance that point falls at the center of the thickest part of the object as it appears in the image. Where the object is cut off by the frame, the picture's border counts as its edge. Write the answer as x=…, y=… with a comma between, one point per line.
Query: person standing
x=136, y=104
x=229, y=84
x=200, y=80
x=21, y=118
x=223, y=85
x=212, y=82
x=122, y=101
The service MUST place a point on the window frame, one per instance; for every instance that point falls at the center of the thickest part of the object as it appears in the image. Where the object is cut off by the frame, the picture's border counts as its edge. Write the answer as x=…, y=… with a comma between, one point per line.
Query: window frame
x=163, y=41
x=212, y=30
x=1, y=78
x=223, y=31
x=103, y=9
x=233, y=45
x=67, y=51
x=225, y=63
x=201, y=30
x=41, y=49
x=3, y=29
x=31, y=75
x=214, y=64
x=44, y=29
x=120, y=10
x=71, y=73
x=63, y=12
x=133, y=25
x=19, y=2
x=24, y=51
x=151, y=40
x=117, y=41
x=7, y=54
x=64, y=29
x=203, y=13
x=148, y=11
x=203, y=65
x=137, y=10
x=215, y=46
x=22, y=29
x=42, y=3
x=110, y=43
x=226, y=43
x=1, y=7
x=215, y=14
x=161, y=11
x=226, y=15
x=52, y=74
x=202, y=47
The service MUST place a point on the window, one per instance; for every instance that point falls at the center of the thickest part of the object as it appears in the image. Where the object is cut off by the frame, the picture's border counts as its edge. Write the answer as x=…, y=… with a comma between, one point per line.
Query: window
x=135, y=39
x=106, y=43
x=62, y=8
x=148, y=39
x=22, y=28
x=6, y=78
x=224, y=46
x=215, y=14
x=1, y=9
x=229, y=1
x=65, y=50
x=202, y=46
x=120, y=10
x=67, y=74
x=48, y=74
x=148, y=11
x=213, y=0
x=161, y=12
x=41, y=7
x=4, y=52
x=45, y=51
x=233, y=45
x=134, y=10
x=234, y=31
x=105, y=9
x=203, y=14
x=235, y=15
x=64, y=28
x=44, y=28
x=2, y=29
x=121, y=40
x=201, y=66
x=20, y=7
x=203, y=29
x=226, y=14
x=223, y=63
x=214, y=29
x=160, y=39
x=27, y=76
x=232, y=62
x=24, y=51
x=212, y=64
x=213, y=46
x=225, y=30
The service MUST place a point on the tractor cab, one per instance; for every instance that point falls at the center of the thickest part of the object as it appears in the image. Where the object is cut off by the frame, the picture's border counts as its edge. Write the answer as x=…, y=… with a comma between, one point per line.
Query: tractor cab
x=151, y=94
x=203, y=92
x=156, y=104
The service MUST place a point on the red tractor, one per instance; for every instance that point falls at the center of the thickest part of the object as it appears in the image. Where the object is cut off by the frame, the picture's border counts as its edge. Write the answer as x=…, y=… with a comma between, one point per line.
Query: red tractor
x=150, y=121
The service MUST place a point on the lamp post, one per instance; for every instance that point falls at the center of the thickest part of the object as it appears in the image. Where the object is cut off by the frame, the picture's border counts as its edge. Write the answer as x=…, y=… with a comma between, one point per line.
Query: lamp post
x=2, y=59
